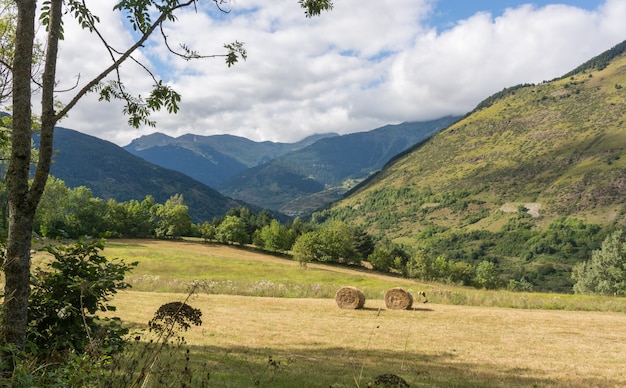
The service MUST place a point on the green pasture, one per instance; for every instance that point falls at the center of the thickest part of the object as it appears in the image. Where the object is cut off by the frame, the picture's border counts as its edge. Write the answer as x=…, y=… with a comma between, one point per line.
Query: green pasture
x=172, y=266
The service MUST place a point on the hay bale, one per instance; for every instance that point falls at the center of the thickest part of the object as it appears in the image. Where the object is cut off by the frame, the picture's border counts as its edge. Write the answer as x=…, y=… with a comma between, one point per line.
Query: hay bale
x=398, y=299
x=349, y=297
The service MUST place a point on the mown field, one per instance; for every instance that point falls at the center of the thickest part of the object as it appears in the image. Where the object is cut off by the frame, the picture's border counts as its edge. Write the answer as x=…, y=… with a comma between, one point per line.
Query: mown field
x=269, y=322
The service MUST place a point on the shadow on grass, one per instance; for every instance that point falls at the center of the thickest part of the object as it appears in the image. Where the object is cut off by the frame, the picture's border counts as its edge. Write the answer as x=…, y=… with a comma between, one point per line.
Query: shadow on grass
x=245, y=366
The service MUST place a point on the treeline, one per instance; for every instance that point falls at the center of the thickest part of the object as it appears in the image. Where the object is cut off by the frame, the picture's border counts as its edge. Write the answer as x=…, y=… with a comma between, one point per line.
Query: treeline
x=519, y=257
x=72, y=213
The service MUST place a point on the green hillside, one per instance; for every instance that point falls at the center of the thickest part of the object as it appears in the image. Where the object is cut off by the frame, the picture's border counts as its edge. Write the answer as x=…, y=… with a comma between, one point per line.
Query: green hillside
x=539, y=160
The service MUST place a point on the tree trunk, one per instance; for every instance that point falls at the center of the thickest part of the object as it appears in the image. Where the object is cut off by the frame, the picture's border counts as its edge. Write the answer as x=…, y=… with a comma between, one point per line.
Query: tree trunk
x=23, y=200
x=21, y=210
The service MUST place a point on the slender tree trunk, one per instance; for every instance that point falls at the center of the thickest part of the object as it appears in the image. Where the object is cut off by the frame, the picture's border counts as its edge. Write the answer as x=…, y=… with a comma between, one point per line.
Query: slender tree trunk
x=23, y=200
x=21, y=210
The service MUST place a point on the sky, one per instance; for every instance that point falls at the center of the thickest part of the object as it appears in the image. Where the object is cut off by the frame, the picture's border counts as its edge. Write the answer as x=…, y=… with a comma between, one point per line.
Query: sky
x=363, y=65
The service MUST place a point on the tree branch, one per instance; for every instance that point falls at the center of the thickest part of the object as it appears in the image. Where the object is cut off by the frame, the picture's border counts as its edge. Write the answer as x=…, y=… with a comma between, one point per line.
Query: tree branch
x=165, y=13
x=48, y=119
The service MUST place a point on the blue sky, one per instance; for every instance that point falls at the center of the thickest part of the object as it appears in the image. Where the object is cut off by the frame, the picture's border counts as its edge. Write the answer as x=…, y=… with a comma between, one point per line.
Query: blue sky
x=359, y=67
x=448, y=12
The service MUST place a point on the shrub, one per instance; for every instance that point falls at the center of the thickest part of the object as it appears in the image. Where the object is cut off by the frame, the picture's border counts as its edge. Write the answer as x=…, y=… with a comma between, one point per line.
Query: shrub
x=66, y=295
x=605, y=273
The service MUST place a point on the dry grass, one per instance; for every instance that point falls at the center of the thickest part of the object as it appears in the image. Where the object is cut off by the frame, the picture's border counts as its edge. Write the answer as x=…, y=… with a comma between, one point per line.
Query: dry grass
x=462, y=338
x=433, y=345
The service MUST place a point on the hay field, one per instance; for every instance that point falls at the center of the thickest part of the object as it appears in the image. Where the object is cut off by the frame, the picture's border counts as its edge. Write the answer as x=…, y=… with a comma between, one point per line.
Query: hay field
x=293, y=319
x=432, y=345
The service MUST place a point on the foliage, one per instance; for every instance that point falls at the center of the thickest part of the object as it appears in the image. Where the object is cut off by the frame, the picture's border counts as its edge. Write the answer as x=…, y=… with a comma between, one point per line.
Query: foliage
x=66, y=295
x=521, y=285
x=487, y=275
x=333, y=243
x=381, y=260
x=422, y=266
x=173, y=219
x=306, y=247
x=76, y=370
x=275, y=237
x=605, y=272
x=72, y=213
x=207, y=231
x=232, y=230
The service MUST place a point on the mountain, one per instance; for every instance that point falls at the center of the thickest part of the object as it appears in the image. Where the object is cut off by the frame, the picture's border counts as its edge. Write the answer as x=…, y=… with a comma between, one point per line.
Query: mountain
x=517, y=182
x=111, y=172
x=304, y=180
x=211, y=159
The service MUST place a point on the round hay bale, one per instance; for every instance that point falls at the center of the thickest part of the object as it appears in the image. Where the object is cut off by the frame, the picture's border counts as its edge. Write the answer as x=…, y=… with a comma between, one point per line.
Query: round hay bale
x=398, y=299
x=349, y=297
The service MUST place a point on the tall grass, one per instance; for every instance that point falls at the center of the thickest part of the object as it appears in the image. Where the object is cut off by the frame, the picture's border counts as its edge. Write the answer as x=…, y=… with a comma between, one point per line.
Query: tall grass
x=167, y=266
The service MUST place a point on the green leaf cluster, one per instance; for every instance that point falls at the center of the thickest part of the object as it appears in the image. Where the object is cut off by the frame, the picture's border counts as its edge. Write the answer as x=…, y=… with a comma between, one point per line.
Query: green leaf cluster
x=605, y=272
x=68, y=292
x=333, y=244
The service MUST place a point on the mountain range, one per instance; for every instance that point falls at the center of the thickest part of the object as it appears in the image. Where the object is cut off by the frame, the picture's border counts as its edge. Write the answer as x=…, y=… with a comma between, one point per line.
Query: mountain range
x=302, y=181
x=555, y=149
x=293, y=178
x=128, y=173
x=211, y=159
x=111, y=172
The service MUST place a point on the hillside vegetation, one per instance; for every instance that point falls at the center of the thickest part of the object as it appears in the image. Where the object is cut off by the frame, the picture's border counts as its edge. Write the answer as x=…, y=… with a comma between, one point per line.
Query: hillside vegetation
x=531, y=180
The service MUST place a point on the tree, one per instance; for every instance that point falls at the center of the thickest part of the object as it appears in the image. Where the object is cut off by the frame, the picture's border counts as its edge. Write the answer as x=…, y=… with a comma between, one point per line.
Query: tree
x=335, y=243
x=146, y=17
x=232, y=230
x=329, y=244
x=305, y=248
x=419, y=266
x=50, y=220
x=173, y=218
x=207, y=231
x=363, y=242
x=487, y=275
x=605, y=273
x=381, y=259
x=276, y=237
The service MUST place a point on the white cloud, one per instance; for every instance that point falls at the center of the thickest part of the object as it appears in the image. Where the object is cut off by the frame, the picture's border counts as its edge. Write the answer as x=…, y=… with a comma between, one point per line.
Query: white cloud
x=363, y=65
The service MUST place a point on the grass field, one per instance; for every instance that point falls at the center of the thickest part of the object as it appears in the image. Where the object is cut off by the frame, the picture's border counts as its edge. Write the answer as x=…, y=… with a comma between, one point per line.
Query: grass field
x=258, y=308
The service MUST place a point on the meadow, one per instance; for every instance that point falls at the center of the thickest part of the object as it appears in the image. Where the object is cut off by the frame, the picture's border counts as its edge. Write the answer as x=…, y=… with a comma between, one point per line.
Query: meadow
x=269, y=322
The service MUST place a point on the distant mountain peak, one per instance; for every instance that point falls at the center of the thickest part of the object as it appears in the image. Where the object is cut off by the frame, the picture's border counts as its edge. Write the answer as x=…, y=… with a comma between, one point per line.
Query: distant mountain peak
x=156, y=139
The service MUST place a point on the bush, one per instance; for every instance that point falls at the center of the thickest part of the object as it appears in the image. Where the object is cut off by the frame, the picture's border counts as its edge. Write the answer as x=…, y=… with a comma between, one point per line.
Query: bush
x=66, y=295
x=605, y=273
